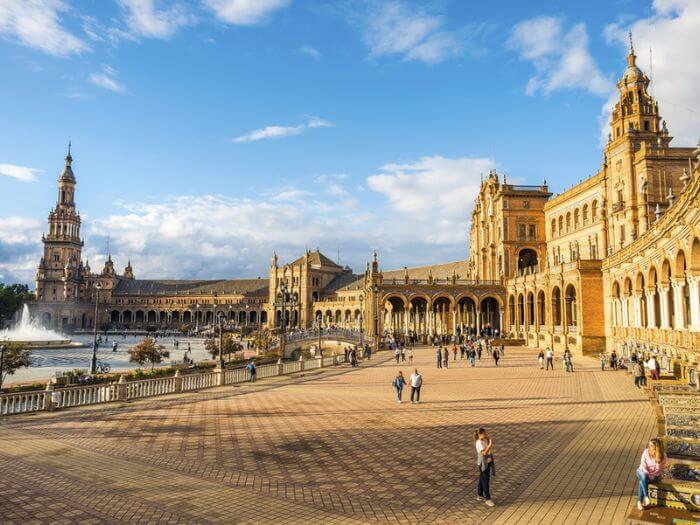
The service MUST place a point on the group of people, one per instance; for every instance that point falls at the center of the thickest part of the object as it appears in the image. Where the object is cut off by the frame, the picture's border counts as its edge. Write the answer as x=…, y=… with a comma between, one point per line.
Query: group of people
x=352, y=354
x=643, y=366
x=470, y=349
x=547, y=356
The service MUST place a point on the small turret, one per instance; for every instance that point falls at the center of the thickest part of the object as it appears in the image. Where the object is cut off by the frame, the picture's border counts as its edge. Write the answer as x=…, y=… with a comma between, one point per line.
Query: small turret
x=128, y=271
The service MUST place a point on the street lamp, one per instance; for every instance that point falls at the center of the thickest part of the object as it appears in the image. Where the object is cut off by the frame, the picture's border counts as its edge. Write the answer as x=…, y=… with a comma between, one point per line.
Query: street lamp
x=221, y=341
x=362, y=319
x=196, y=319
x=2, y=363
x=375, y=289
x=93, y=362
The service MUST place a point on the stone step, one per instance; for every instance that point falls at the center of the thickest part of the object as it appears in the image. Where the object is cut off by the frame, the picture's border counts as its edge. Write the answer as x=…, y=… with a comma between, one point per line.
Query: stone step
x=681, y=495
x=684, y=448
x=662, y=515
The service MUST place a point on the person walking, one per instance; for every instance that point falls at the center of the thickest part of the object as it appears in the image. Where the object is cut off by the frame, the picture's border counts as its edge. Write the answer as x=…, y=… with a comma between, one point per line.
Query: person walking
x=484, y=462
x=410, y=356
x=454, y=351
x=403, y=353
x=568, y=364
x=651, y=469
x=398, y=383
x=613, y=360
x=540, y=358
x=478, y=350
x=638, y=372
x=602, y=361
x=416, y=384
x=445, y=356
x=438, y=354
x=496, y=354
x=397, y=354
x=502, y=349
x=653, y=368
x=472, y=356
x=550, y=359
x=252, y=370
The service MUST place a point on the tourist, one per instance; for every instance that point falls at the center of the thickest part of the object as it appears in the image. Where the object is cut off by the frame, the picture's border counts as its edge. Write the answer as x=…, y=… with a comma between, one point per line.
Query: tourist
x=484, y=461
x=397, y=354
x=472, y=355
x=638, y=372
x=114, y=346
x=503, y=349
x=651, y=469
x=496, y=355
x=398, y=383
x=438, y=354
x=652, y=365
x=454, y=352
x=550, y=358
x=410, y=356
x=478, y=349
x=540, y=358
x=416, y=384
x=445, y=356
x=252, y=370
x=462, y=350
x=403, y=353
x=613, y=360
x=568, y=363
x=602, y=361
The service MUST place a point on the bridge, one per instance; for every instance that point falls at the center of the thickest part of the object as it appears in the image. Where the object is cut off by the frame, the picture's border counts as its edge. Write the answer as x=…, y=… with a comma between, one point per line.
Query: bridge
x=297, y=339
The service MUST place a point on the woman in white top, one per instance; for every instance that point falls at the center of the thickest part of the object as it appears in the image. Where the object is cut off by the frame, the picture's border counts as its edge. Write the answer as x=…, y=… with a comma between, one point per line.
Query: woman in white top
x=484, y=461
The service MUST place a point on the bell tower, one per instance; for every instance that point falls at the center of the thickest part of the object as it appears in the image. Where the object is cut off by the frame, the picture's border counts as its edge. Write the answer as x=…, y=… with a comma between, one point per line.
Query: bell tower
x=59, y=273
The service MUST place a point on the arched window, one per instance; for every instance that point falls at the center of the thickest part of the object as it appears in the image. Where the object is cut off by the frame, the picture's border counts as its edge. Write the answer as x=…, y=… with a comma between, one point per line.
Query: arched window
x=561, y=224
x=568, y=221
x=554, y=227
x=585, y=213
x=576, y=218
x=594, y=211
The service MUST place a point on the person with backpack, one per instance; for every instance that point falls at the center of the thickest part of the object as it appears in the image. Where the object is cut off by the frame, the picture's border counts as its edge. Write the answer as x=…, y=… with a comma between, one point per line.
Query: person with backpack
x=496, y=354
x=251, y=368
x=416, y=384
x=398, y=383
x=485, y=464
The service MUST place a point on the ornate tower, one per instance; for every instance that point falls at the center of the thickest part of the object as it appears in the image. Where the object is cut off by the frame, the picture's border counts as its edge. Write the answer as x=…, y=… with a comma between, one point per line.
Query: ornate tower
x=59, y=273
x=638, y=174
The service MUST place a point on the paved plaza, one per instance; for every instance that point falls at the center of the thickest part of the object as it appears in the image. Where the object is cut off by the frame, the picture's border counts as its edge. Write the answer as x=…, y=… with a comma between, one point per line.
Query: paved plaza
x=333, y=446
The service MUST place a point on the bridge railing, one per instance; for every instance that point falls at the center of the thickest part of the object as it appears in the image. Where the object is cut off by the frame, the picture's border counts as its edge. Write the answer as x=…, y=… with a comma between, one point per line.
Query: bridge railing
x=326, y=333
x=56, y=398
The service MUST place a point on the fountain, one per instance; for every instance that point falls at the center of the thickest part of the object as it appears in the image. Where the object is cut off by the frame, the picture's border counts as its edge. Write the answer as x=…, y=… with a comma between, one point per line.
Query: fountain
x=32, y=334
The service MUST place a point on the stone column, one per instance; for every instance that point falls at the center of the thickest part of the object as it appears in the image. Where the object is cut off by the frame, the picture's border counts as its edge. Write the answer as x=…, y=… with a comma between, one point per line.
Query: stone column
x=694, y=283
x=663, y=295
x=624, y=306
x=651, y=309
x=637, y=302
x=679, y=318
x=478, y=319
x=407, y=320
x=454, y=320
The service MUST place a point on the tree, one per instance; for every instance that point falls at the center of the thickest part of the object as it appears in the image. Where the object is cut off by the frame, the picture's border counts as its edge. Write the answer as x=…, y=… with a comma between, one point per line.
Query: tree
x=231, y=345
x=11, y=299
x=211, y=345
x=185, y=328
x=15, y=356
x=148, y=351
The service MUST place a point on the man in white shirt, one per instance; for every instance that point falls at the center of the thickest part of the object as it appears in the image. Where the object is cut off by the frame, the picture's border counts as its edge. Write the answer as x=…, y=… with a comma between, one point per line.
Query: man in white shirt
x=416, y=383
x=550, y=358
x=653, y=370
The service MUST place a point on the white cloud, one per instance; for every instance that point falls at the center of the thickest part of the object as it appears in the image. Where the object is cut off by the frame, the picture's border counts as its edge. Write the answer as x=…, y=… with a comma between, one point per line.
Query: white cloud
x=245, y=12
x=433, y=194
x=20, y=248
x=561, y=57
x=38, y=24
x=21, y=173
x=144, y=18
x=310, y=51
x=392, y=28
x=105, y=79
x=673, y=34
x=275, y=132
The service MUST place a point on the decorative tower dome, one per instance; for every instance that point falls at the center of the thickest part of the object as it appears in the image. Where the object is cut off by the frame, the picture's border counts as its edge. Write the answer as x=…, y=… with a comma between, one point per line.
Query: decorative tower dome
x=67, y=173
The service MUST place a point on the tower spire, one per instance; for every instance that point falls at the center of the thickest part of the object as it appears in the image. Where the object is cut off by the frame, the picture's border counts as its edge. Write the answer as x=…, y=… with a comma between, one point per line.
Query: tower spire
x=631, y=58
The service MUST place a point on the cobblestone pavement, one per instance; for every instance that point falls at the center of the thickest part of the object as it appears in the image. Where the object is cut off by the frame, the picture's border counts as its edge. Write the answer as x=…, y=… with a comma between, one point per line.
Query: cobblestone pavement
x=334, y=446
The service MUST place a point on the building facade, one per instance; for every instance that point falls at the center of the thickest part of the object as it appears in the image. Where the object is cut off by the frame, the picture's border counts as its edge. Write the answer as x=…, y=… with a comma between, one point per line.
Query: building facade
x=611, y=263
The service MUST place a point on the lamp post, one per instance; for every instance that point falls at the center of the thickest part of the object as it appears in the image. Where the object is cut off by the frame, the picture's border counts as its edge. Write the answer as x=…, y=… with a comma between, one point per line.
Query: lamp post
x=196, y=319
x=221, y=341
x=93, y=362
x=283, y=317
x=362, y=319
x=2, y=363
x=375, y=289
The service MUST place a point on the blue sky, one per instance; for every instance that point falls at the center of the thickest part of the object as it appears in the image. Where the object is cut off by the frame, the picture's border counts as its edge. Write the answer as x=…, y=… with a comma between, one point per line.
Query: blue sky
x=208, y=133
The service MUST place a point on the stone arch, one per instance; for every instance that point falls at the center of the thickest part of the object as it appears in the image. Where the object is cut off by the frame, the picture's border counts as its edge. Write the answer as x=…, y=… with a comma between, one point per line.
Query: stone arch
x=556, y=306
x=577, y=218
x=187, y=316
x=554, y=227
x=584, y=214
x=695, y=256
x=128, y=317
x=571, y=298
x=490, y=311
x=466, y=312
x=561, y=224
x=568, y=221
x=162, y=317
x=46, y=319
x=679, y=266
x=114, y=316
x=253, y=317
x=263, y=317
x=139, y=316
x=527, y=258
x=594, y=211
x=511, y=309
x=242, y=317
x=521, y=310
x=151, y=316
x=175, y=317
x=530, y=309
x=541, y=308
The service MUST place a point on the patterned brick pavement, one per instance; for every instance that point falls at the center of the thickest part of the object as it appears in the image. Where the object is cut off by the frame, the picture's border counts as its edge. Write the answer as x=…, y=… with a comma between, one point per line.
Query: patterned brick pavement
x=333, y=446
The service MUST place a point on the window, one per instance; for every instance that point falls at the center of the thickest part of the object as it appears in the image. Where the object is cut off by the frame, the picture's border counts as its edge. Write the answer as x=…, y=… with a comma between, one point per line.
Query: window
x=594, y=211
x=585, y=213
x=576, y=218
x=521, y=231
x=646, y=125
x=622, y=235
x=531, y=231
x=568, y=221
x=554, y=227
x=561, y=224
x=56, y=257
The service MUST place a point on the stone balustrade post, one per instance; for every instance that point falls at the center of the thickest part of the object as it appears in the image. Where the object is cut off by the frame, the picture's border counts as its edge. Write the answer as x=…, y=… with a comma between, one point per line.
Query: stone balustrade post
x=301, y=363
x=178, y=381
x=221, y=376
x=121, y=388
x=48, y=397
x=280, y=367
